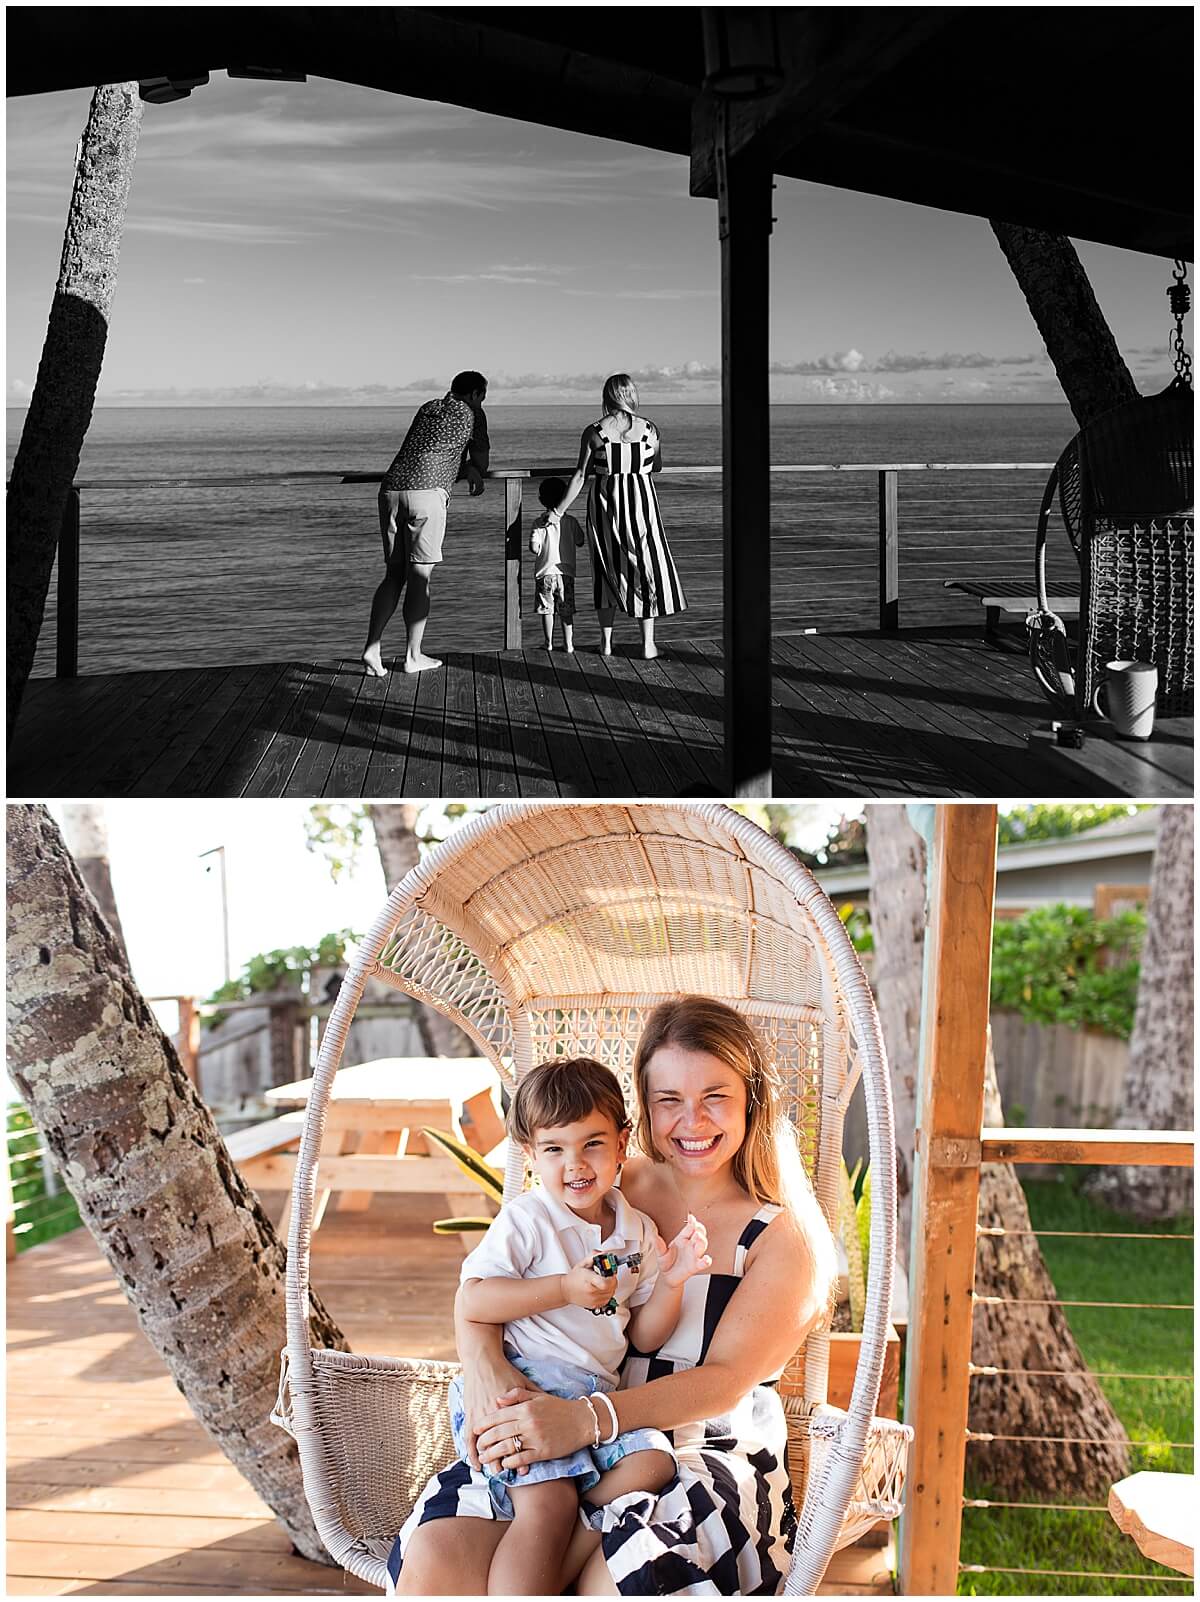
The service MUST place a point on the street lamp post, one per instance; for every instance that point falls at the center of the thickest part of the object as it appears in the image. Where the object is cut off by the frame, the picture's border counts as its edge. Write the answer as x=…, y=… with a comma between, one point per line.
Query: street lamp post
x=219, y=852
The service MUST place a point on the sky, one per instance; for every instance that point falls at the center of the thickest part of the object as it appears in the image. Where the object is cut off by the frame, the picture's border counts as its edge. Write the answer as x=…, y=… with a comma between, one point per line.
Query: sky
x=322, y=243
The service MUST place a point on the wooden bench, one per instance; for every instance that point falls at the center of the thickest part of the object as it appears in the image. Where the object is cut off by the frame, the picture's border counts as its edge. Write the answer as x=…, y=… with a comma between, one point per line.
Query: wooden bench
x=1012, y=595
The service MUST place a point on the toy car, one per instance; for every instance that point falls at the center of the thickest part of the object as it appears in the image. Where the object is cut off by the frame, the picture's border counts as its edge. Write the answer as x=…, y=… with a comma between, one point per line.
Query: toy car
x=607, y=1263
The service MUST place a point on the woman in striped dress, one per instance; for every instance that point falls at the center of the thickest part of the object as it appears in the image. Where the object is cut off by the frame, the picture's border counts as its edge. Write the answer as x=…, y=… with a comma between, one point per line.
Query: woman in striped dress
x=632, y=567
x=724, y=1524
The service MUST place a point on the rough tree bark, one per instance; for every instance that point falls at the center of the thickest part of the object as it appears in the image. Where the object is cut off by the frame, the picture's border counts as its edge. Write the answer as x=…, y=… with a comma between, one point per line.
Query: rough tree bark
x=86, y=833
x=60, y=408
x=1026, y=1337
x=192, y=1248
x=1157, y=1092
x=395, y=826
x=1078, y=340
x=896, y=864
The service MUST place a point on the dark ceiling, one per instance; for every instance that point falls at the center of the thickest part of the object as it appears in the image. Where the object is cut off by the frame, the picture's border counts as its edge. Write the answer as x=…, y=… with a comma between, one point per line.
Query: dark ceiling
x=1073, y=119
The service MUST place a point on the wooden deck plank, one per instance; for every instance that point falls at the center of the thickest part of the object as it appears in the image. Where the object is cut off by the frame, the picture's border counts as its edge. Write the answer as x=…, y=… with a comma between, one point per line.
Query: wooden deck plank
x=915, y=713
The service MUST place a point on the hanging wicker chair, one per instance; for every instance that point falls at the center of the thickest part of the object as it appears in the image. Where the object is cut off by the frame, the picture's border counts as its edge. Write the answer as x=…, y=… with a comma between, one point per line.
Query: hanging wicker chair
x=1124, y=486
x=552, y=930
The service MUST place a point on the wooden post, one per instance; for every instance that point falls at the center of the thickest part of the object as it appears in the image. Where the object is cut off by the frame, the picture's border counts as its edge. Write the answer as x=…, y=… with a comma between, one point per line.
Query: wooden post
x=889, y=551
x=67, y=647
x=10, y=1224
x=744, y=204
x=512, y=564
x=188, y=1039
x=954, y=1019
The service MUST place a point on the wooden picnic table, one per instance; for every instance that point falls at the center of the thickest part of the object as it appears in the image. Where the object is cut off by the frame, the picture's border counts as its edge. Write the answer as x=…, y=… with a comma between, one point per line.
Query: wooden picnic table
x=1161, y=766
x=1158, y=1511
x=373, y=1139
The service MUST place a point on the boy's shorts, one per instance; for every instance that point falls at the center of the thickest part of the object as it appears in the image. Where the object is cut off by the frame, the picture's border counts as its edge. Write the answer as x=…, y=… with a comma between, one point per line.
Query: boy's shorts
x=584, y=1466
x=557, y=588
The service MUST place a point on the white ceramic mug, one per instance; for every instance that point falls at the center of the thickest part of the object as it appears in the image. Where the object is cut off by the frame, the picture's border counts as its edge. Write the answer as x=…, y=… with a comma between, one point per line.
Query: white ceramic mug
x=1130, y=688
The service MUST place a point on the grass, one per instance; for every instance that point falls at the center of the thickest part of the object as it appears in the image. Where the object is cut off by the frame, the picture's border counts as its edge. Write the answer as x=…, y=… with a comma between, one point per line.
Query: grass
x=38, y=1215
x=1140, y=1341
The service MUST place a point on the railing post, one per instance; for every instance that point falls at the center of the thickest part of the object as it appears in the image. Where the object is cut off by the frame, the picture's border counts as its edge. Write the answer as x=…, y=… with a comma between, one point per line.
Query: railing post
x=189, y=1038
x=889, y=550
x=67, y=647
x=954, y=1020
x=512, y=564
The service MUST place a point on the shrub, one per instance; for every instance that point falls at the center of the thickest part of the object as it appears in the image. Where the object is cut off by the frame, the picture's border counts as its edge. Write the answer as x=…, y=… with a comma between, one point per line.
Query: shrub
x=1060, y=964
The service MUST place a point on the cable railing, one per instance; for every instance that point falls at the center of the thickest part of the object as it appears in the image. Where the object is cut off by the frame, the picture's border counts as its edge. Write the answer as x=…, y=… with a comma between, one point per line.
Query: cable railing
x=1053, y=1147
x=852, y=556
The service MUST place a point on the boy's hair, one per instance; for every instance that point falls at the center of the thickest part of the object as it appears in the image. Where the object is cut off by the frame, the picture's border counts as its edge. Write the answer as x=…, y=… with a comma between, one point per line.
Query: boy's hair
x=551, y=491
x=464, y=384
x=564, y=1092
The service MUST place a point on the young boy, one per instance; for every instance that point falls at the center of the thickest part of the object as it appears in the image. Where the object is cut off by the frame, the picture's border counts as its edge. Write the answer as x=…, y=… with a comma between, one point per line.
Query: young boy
x=553, y=542
x=533, y=1273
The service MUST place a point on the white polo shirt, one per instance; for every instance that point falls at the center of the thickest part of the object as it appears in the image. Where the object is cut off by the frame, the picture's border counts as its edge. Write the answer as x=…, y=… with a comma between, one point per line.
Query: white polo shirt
x=534, y=1235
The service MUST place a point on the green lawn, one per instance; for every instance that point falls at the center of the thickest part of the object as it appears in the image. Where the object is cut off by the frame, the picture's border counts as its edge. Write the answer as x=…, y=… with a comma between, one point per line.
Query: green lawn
x=1125, y=1340
x=39, y=1216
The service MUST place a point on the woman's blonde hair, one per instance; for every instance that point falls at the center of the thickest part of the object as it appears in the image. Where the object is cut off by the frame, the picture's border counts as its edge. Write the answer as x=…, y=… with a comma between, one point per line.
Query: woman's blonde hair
x=620, y=394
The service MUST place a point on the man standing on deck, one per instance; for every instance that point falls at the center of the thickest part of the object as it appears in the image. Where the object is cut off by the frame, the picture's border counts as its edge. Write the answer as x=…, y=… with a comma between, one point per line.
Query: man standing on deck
x=447, y=440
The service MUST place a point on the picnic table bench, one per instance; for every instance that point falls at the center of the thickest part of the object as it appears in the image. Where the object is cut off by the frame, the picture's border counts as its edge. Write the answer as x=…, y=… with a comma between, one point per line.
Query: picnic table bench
x=373, y=1141
x=1158, y=1512
x=998, y=595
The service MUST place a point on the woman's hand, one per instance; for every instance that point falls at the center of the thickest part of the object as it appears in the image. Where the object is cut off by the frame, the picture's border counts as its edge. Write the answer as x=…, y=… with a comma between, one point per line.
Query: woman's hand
x=686, y=1255
x=546, y=1426
x=486, y=1386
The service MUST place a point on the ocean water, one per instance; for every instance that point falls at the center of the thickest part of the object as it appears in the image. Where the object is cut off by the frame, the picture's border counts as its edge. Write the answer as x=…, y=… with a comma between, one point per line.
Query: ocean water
x=182, y=566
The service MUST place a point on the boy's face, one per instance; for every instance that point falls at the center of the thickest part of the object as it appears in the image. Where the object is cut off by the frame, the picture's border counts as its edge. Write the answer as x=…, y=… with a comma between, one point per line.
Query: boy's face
x=577, y=1163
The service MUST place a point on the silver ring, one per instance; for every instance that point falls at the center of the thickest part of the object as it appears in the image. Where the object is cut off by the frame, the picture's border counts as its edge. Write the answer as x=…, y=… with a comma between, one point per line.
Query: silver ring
x=516, y=1443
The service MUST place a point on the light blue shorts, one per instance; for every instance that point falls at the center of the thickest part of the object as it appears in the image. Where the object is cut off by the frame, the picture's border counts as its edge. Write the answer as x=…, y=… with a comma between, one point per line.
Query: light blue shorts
x=584, y=1466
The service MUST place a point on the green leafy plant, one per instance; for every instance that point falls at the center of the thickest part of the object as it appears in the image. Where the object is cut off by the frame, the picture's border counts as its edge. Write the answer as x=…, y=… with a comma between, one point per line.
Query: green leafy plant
x=854, y=1230
x=1045, y=820
x=858, y=926
x=274, y=970
x=1060, y=964
x=490, y=1180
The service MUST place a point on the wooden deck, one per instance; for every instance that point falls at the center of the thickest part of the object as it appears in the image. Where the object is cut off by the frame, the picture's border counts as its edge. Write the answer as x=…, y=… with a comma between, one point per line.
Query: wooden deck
x=114, y=1489
x=921, y=712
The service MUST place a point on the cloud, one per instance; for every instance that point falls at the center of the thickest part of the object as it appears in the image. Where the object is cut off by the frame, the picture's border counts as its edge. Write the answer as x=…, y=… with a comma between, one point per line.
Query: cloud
x=948, y=362
x=195, y=280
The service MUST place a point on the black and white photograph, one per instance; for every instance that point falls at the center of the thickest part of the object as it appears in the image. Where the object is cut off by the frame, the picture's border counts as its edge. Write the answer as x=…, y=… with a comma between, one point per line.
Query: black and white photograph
x=496, y=402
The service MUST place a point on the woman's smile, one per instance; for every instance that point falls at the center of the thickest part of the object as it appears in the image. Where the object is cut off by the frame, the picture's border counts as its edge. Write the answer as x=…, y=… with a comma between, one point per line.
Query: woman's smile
x=692, y=1146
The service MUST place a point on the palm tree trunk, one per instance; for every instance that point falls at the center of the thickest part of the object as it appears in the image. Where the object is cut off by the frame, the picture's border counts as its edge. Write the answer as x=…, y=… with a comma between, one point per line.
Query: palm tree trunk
x=1078, y=340
x=1157, y=1091
x=60, y=408
x=87, y=838
x=1024, y=1336
x=896, y=864
x=194, y=1252
x=395, y=826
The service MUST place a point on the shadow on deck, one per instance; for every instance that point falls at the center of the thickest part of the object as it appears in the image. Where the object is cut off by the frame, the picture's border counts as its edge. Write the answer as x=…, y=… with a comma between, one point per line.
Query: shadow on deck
x=923, y=712
x=114, y=1489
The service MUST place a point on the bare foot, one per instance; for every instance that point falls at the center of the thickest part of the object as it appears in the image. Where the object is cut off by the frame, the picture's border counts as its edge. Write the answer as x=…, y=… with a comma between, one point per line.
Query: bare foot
x=548, y=647
x=373, y=662
x=421, y=663
x=569, y=649
x=606, y=650
x=650, y=653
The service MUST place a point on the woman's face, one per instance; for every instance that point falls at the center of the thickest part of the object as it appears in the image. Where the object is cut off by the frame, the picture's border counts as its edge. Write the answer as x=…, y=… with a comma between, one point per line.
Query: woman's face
x=697, y=1109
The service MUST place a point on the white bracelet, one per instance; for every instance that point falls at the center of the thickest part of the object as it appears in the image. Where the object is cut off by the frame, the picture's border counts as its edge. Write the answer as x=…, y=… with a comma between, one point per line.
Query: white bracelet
x=607, y=1440
x=587, y=1401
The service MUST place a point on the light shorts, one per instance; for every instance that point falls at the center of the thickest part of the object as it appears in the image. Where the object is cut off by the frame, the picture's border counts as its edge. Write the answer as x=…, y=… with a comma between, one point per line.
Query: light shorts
x=585, y=1466
x=556, y=593
x=418, y=517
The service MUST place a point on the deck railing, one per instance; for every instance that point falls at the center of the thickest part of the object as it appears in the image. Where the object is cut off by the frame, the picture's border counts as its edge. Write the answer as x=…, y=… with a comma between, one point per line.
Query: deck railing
x=951, y=1145
x=887, y=475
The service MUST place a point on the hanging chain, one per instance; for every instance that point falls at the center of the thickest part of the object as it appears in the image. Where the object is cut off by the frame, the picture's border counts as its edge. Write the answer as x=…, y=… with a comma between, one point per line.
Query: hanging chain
x=1179, y=297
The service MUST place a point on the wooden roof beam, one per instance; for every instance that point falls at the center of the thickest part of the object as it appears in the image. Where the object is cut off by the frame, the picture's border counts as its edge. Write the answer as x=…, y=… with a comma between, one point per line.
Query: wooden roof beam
x=829, y=55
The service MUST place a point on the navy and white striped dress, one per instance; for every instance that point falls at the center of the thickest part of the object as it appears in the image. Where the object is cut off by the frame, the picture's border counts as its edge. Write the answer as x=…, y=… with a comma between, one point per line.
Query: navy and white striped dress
x=632, y=566
x=724, y=1525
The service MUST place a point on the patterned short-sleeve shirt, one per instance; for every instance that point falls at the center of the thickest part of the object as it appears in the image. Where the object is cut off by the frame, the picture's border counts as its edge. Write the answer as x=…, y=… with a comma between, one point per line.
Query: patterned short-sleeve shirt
x=433, y=448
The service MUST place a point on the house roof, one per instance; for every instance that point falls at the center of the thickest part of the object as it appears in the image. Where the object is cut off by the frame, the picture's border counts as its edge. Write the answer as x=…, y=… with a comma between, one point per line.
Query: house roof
x=1075, y=120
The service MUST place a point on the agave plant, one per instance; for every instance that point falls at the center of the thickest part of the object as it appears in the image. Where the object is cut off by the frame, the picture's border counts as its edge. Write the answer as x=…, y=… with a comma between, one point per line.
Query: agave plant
x=854, y=1228
x=489, y=1180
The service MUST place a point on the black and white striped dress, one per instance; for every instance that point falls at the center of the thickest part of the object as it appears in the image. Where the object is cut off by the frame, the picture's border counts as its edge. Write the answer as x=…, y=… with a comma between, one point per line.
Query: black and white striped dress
x=724, y=1525
x=632, y=566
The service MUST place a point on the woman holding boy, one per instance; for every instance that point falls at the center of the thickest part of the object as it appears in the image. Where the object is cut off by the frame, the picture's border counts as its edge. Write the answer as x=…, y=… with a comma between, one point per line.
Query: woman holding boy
x=719, y=1154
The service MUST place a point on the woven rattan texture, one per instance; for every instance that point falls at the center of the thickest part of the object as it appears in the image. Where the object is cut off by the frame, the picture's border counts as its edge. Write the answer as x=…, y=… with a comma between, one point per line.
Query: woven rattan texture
x=1138, y=584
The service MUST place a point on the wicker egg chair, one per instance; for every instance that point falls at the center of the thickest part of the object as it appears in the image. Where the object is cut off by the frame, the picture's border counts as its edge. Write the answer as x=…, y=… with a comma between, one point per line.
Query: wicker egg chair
x=545, y=930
